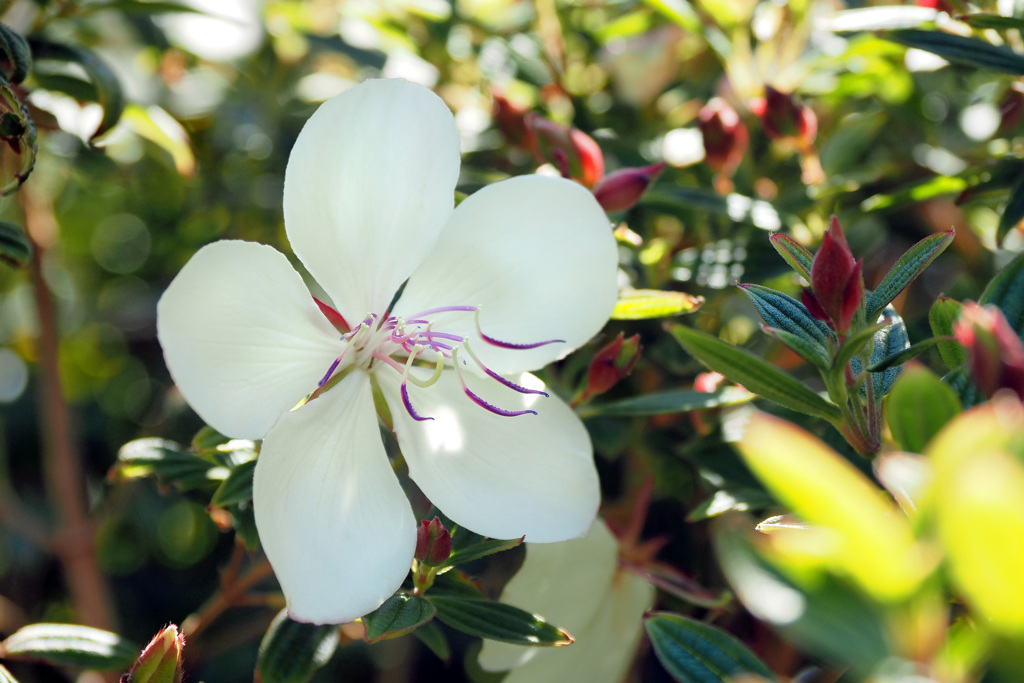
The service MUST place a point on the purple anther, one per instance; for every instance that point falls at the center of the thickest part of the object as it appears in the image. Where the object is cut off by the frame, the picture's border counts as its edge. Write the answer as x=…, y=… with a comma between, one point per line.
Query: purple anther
x=408, y=405
x=518, y=347
x=492, y=408
x=330, y=371
x=512, y=385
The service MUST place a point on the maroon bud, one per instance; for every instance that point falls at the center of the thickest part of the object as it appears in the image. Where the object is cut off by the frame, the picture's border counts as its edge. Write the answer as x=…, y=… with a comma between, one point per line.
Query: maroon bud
x=995, y=352
x=622, y=189
x=836, y=281
x=433, y=542
x=573, y=151
x=510, y=120
x=783, y=117
x=610, y=364
x=1010, y=109
x=725, y=136
x=940, y=5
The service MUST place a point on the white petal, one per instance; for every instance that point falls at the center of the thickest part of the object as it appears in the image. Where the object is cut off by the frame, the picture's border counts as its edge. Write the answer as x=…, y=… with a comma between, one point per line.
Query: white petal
x=600, y=607
x=332, y=518
x=242, y=337
x=537, y=255
x=369, y=185
x=502, y=477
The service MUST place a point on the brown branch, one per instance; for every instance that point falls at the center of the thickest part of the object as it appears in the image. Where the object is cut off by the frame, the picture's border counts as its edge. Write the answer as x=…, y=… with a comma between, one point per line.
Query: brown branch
x=232, y=593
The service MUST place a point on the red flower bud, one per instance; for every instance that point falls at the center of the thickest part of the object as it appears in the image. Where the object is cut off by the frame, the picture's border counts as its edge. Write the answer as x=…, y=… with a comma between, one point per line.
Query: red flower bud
x=610, y=364
x=622, y=189
x=725, y=136
x=783, y=117
x=837, y=287
x=433, y=542
x=940, y=5
x=510, y=120
x=160, y=661
x=996, y=353
x=574, y=152
x=1011, y=108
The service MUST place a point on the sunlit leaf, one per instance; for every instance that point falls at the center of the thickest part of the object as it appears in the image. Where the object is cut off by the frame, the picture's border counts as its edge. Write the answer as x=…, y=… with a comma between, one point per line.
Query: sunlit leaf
x=642, y=304
x=497, y=621
x=911, y=264
x=480, y=549
x=919, y=405
x=961, y=49
x=237, y=487
x=795, y=254
x=941, y=317
x=915, y=194
x=160, y=128
x=695, y=652
x=878, y=18
x=729, y=500
x=70, y=645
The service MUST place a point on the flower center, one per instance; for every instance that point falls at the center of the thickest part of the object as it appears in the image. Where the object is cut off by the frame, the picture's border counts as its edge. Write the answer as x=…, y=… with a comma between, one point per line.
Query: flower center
x=400, y=343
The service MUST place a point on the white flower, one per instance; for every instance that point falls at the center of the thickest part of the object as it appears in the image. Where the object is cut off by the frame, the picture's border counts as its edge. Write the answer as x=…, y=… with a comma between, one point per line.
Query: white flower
x=368, y=205
x=578, y=586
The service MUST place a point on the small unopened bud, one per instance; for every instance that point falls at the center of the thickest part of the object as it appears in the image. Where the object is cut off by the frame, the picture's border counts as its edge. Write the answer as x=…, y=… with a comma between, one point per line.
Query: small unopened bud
x=160, y=661
x=622, y=189
x=725, y=136
x=433, y=542
x=510, y=120
x=574, y=152
x=610, y=364
x=837, y=286
x=1010, y=110
x=995, y=352
x=783, y=117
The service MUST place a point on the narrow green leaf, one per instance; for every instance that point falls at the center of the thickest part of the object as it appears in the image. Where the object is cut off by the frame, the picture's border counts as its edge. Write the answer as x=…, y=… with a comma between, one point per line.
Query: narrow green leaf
x=432, y=636
x=915, y=193
x=804, y=348
x=996, y=21
x=754, y=373
x=497, y=621
x=853, y=345
x=941, y=317
x=644, y=304
x=139, y=7
x=678, y=11
x=737, y=208
x=911, y=264
x=878, y=18
x=909, y=353
x=292, y=651
x=165, y=459
x=695, y=652
x=400, y=614
x=795, y=254
x=208, y=439
x=730, y=500
x=1013, y=212
x=1006, y=290
x=108, y=89
x=482, y=549
x=16, y=53
x=784, y=312
x=668, y=402
x=15, y=248
x=70, y=645
x=961, y=49
x=74, y=87
x=919, y=405
x=6, y=676
x=237, y=487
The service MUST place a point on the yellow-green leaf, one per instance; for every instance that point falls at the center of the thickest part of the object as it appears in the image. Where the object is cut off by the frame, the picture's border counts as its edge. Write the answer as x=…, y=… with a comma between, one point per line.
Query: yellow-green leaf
x=642, y=304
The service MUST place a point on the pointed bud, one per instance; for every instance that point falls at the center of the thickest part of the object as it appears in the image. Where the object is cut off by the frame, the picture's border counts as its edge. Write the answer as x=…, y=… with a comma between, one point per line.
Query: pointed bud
x=1010, y=109
x=433, y=542
x=995, y=352
x=574, y=152
x=726, y=138
x=510, y=120
x=160, y=661
x=836, y=280
x=783, y=117
x=610, y=364
x=622, y=189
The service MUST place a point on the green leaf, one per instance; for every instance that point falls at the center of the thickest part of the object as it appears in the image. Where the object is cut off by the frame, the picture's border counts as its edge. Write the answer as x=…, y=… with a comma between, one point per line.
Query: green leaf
x=15, y=248
x=795, y=254
x=695, y=652
x=737, y=208
x=108, y=89
x=915, y=193
x=730, y=500
x=497, y=621
x=959, y=379
x=70, y=645
x=6, y=676
x=644, y=304
x=208, y=439
x=165, y=459
x=996, y=21
x=754, y=373
x=74, y=87
x=432, y=636
x=19, y=134
x=139, y=7
x=878, y=18
x=668, y=402
x=243, y=521
x=478, y=550
x=853, y=345
x=804, y=348
x=909, y=353
x=889, y=341
x=1013, y=212
x=16, y=53
x=786, y=313
x=919, y=405
x=911, y=264
x=941, y=317
x=961, y=49
x=237, y=487
x=292, y=651
x=400, y=614
x=1006, y=290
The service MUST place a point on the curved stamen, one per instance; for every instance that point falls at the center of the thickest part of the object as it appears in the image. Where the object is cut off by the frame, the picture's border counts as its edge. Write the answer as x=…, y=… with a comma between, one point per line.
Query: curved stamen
x=493, y=375
x=408, y=405
x=479, y=400
x=334, y=366
x=509, y=345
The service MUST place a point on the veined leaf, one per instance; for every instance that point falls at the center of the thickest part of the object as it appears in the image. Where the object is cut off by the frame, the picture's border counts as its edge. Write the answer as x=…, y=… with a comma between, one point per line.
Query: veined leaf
x=853, y=345
x=941, y=317
x=497, y=621
x=140, y=7
x=961, y=49
x=911, y=264
x=400, y=614
x=668, y=402
x=916, y=193
x=481, y=549
x=292, y=651
x=909, y=353
x=70, y=645
x=889, y=341
x=795, y=254
x=754, y=373
x=786, y=313
x=695, y=652
x=803, y=347
x=643, y=304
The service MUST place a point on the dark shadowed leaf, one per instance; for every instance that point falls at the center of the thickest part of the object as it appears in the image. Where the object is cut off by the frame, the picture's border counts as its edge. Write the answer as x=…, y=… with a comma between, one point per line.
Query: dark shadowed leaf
x=70, y=645
x=1013, y=212
x=14, y=245
x=1006, y=290
x=695, y=652
x=292, y=651
x=400, y=614
x=17, y=56
x=668, y=402
x=961, y=49
x=433, y=637
x=497, y=621
x=237, y=487
x=481, y=549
